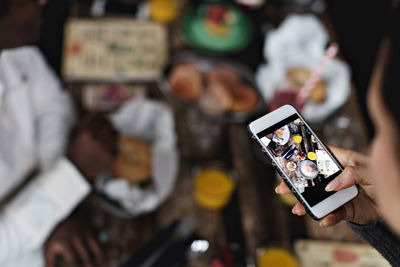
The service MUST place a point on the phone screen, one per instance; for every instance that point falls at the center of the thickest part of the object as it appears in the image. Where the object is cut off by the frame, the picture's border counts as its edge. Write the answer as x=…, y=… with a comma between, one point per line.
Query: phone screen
x=302, y=157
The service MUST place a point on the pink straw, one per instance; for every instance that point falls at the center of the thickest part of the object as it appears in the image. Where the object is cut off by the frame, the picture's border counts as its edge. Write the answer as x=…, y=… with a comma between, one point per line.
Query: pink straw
x=305, y=91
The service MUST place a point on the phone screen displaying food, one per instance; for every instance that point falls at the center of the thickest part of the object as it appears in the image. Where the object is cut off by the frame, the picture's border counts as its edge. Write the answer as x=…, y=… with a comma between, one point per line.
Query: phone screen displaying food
x=302, y=157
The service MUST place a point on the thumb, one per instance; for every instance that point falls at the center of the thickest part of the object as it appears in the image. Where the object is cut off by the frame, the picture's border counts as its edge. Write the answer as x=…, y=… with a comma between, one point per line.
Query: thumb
x=350, y=176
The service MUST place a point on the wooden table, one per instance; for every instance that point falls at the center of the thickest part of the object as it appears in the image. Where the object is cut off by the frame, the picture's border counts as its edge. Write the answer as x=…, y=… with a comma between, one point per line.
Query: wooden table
x=265, y=219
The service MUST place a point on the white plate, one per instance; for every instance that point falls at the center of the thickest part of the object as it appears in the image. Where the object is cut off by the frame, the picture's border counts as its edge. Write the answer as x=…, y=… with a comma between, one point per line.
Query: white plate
x=286, y=136
x=310, y=175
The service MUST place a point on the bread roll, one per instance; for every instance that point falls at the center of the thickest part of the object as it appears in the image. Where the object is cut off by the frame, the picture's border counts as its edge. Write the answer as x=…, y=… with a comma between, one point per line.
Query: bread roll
x=133, y=162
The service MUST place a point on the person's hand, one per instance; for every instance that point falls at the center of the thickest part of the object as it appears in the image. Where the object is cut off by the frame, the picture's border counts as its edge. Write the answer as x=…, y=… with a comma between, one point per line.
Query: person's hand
x=362, y=209
x=93, y=145
x=71, y=244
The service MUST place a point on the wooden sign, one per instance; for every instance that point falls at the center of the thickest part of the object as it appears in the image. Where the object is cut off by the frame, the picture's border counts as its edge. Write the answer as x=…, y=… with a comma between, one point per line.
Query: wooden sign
x=114, y=50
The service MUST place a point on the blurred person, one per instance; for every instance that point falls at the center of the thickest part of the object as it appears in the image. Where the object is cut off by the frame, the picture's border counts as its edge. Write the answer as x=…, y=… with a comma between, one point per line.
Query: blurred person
x=54, y=16
x=359, y=37
x=39, y=186
x=375, y=212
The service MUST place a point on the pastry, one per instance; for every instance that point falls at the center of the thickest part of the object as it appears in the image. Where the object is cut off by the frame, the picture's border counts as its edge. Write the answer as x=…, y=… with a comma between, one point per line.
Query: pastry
x=298, y=77
x=133, y=162
x=245, y=98
x=318, y=94
x=279, y=133
x=299, y=122
x=217, y=98
x=291, y=166
x=223, y=75
x=186, y=81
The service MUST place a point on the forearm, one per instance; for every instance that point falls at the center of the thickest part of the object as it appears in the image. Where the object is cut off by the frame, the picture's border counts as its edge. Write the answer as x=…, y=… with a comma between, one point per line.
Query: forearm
x=381, y=238
x=53, y=124
x=52, y=110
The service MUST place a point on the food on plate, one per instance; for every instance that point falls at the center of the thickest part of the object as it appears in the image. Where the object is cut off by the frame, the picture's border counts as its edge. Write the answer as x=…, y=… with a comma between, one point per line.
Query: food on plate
x=291, y=166
x=223, y=75
x=186, y=81
x=279, y=133
x=216, y=90
x=244, y=98
x=308, y=169
x=297, y=139
x=133, y=162
x=301, y=156
x=216, y=98
x=297, y=77
x=318, y=94
x=299, y=122
x=218, y=20
x=312, y=155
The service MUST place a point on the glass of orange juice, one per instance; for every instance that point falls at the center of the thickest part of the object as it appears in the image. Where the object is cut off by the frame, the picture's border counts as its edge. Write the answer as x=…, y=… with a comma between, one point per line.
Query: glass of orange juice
x=273, y=256
x=213, y=187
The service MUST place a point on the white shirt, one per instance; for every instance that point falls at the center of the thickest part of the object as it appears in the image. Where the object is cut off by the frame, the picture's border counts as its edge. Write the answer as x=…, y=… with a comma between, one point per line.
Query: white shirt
x=35, y=118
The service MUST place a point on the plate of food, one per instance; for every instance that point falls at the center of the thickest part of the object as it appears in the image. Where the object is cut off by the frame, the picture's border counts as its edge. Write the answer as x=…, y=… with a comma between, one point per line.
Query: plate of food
x=216, y=27
x=291, y=166
x=308, y=169
x=281, y=135
x=292, y=52
x=144, y=170
x=134, y=160
x=217, y=88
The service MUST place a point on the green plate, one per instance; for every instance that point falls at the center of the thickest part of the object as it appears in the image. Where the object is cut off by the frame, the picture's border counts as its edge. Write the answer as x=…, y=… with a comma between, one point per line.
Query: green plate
x=237, y=32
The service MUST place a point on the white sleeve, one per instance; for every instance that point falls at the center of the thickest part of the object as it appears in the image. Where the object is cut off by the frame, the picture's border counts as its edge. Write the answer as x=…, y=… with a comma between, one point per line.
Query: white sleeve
x=29, y=218
x=52, y=109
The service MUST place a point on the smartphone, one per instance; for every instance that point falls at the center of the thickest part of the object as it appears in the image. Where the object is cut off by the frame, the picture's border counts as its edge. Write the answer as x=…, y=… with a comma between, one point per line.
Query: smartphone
x=303, y=161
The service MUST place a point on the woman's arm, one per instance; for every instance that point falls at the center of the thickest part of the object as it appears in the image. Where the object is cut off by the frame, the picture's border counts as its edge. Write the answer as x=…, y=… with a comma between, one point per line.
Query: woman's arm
x=381, y=238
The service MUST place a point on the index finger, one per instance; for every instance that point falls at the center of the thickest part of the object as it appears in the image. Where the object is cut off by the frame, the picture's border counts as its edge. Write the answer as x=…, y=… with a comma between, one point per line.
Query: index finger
x=82, y=251
x=95, y=249
x=282, y=188
x=55, y=250
x=348, y=157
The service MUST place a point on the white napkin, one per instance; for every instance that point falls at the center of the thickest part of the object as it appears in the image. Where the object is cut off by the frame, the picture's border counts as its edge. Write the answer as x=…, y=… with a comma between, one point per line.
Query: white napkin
x=152, y=121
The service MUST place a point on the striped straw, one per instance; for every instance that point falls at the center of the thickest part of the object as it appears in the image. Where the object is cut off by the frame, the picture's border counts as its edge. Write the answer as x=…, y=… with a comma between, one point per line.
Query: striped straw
x=305, y=91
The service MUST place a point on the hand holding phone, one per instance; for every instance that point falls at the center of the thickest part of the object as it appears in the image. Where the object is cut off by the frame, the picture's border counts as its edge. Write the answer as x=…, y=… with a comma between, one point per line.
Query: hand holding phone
x=362, y=209
x=304, y=162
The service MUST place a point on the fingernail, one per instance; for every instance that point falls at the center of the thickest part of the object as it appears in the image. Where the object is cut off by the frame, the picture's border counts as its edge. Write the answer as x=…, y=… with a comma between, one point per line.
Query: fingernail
x=276, y=190
x=293, y=211
x=332, y=185
x=321, y=224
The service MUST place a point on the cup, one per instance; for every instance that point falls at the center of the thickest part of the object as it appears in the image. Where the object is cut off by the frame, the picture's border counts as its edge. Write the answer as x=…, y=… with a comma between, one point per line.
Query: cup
x=213, y=188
